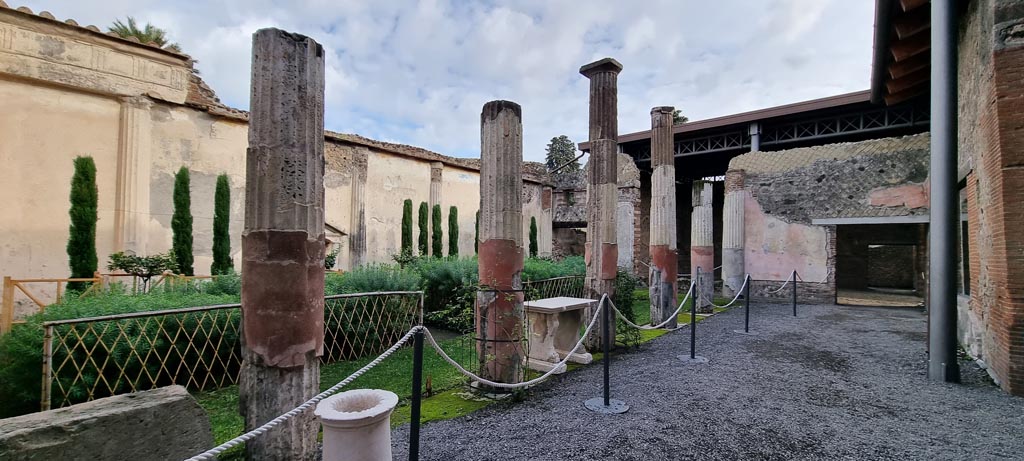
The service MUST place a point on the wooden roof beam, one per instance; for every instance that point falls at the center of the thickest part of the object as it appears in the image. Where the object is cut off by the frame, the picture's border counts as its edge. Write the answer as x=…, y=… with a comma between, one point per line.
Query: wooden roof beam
x=901, y=69
x=913, y=46
x=912, y=23
x=896, y=98
x=902, y=84
x=910, y=5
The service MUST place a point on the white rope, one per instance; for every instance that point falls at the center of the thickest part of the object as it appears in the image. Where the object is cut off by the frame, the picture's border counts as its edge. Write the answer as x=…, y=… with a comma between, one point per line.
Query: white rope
x=667, y=321
x=734, y=299
x=827, y=273
x=554, y=369
x=783, y=285
x=213, y=452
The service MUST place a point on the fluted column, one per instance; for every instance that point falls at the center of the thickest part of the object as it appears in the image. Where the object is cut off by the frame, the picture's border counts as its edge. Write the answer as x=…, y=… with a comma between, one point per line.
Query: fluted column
x=702, y=243
x=601, y=251
x=283, y=243
x=733, y=234
x=134, y=160
x=499, y=303
x=663, y=246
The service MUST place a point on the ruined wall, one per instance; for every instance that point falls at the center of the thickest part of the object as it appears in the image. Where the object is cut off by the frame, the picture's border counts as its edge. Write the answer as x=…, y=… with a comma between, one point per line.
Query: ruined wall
x=789, y=189
x=991, y=133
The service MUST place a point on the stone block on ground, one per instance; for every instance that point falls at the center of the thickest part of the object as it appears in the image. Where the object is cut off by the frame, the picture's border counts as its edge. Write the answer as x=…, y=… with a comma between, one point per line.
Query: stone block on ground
x=161, y=424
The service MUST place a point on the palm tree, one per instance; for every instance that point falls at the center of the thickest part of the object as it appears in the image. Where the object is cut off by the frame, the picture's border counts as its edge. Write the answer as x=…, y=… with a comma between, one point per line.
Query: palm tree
x=147, y=34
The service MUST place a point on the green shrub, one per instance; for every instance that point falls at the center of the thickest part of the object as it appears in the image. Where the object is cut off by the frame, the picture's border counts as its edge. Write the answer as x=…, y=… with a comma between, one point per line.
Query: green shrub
x=407, y=226
x=421, y=221
x=181, y=223
x=221, y=220
x=533, y=237
x=540, y=269
x=449, y=289
x=625, y=285
x=435, y=232
x=453, y=232
x=81, y=247
x=372, y=278
x=21, y=349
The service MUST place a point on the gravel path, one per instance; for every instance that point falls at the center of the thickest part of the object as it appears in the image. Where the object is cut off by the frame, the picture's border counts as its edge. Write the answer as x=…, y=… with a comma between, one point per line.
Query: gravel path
x=836, y=382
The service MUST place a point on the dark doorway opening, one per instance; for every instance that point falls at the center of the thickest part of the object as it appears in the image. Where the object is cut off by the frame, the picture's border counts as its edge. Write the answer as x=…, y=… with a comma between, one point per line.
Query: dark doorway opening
x=881, y=264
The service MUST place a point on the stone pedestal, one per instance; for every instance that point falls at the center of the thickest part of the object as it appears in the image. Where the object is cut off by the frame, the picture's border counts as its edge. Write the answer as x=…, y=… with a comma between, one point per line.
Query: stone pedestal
x=555, y=325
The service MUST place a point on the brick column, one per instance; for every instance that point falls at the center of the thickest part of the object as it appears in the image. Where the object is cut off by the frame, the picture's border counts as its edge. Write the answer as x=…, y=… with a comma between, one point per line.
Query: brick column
x=663, y=246
x=283, y=244
x=499, y=303
x=702, y=242
x=733, y=234
x=601, y=253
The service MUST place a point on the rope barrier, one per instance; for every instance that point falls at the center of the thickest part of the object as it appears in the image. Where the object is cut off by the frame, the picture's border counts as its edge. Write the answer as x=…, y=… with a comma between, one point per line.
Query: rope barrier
x=783, y=285
x=828, y=272
x=668, y=319
x=213, y=452
x=734, y=299
x=555, y=367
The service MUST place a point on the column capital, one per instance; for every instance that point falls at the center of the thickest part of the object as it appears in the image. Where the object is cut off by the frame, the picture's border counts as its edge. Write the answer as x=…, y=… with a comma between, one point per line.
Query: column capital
x=601, y=66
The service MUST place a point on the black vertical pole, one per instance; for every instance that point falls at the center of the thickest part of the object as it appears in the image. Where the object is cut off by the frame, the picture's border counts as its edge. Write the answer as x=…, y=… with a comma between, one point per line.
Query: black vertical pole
x=607, y=350
x=417, y=392
x=693, y=316
x=746, y=305
x=794, y=293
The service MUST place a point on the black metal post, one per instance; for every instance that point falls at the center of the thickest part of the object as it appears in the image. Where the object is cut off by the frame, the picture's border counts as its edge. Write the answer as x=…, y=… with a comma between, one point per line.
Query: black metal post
x=607, y=352
x=945, y=215
x=606, y=404
x=746, y=305
x=693, y=316
x=417, y=393
x=794, y=293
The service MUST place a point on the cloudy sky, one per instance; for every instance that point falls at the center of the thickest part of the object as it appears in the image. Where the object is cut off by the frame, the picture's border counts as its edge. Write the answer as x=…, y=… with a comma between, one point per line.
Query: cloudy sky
x=419, y=72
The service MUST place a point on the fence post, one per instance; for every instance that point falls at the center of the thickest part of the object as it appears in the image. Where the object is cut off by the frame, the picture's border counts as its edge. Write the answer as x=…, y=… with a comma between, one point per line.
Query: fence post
x=7, y=314
x=417, y=393
x=44, y=398
x=794, y=293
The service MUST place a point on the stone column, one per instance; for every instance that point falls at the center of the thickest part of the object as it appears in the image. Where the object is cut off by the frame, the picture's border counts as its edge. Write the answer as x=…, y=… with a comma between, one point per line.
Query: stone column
x=702, y=243
x=134, y=160
x=601, y=253
x=357, y=226
x=664, y=249
x=283, y=243
x=436, y=171
x=499, y=303
x=733, y=234
x=544, y=231
x=628, y=183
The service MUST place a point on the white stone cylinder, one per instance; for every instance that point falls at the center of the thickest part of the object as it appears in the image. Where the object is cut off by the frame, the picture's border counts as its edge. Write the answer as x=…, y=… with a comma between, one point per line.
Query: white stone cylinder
x=357, y=425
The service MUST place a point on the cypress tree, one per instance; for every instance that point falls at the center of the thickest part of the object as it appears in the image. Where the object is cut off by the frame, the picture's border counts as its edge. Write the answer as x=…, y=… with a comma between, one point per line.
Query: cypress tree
x=453, y=232
x=476, y=238
x=84, y=197
x=422, y=221
x=181, y=224
x=221, y=218
x=436, y=236
x=533, y=237
x=407, y=226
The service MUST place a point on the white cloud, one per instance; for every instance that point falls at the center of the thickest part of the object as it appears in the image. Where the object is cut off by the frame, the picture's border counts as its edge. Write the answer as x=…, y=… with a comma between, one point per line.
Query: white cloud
x=419, y=72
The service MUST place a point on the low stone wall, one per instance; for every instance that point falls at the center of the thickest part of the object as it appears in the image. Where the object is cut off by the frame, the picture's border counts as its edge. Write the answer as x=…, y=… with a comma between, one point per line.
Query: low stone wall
x=162, y=424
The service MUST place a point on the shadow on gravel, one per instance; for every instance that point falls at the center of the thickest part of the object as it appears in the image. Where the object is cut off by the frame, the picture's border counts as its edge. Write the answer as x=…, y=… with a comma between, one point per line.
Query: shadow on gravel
x=786, y=348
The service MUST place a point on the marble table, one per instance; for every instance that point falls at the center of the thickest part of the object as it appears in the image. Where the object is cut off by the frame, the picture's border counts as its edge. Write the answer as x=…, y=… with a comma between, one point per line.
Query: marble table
x=554, y=328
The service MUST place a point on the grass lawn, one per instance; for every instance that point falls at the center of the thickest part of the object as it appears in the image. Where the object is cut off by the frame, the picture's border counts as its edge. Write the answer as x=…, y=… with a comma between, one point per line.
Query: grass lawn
x=449, y=400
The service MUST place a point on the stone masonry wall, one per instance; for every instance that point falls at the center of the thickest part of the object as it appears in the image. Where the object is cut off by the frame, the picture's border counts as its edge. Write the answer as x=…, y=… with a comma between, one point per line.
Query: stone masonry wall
x=789, y=189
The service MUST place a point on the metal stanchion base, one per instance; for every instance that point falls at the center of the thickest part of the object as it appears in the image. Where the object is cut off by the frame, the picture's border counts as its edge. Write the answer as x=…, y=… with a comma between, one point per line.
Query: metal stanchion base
x=614, y=407
x=697, y=360
x=748, y=333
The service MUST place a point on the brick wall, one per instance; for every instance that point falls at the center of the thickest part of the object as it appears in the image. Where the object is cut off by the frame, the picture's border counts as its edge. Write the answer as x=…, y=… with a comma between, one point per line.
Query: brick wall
x=991, y=144
x=891, y=266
